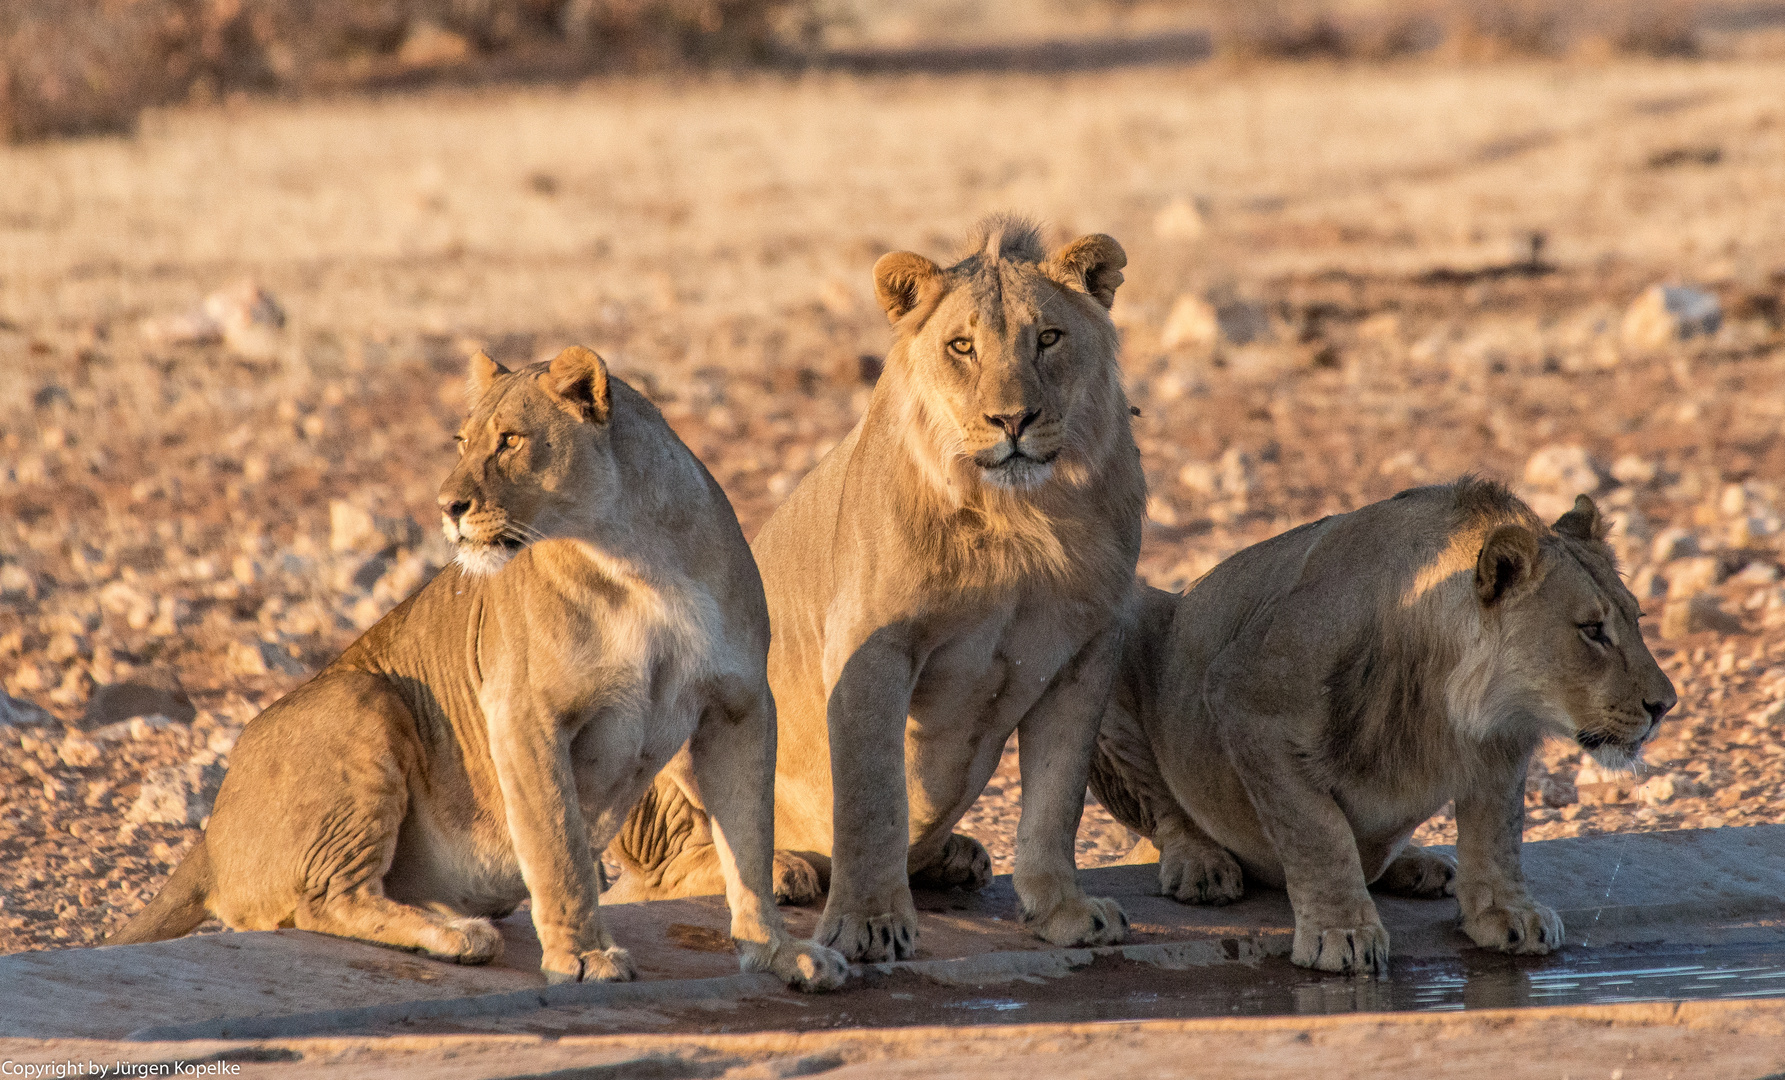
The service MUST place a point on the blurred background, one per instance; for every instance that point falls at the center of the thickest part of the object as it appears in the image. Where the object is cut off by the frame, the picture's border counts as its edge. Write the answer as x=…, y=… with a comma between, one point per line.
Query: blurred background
x=246, y=247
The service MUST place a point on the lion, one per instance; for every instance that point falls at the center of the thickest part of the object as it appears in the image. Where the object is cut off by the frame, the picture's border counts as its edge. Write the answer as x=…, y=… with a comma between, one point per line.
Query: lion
x=1296, y=714
x=480, y=743
x=960, y=567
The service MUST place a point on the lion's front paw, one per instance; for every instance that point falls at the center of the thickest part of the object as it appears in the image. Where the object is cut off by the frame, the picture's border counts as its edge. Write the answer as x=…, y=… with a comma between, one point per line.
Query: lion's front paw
x=964, y=863
x=1420, y=872
x=796, y=881
x=1347, y=950
x=468, y=941
x=1200, y=875
x=598, y=965
x=871, y=939
x=1080, y=920
x=809, y=966
x=1522, y=926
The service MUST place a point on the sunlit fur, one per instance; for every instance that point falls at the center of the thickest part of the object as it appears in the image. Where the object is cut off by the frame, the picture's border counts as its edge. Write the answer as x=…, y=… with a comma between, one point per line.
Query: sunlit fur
x=1389, y=660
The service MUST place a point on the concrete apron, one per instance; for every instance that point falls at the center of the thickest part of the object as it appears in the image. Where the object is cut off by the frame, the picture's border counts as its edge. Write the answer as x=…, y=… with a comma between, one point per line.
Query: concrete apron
x=1702, y=1040
x=1722, y=887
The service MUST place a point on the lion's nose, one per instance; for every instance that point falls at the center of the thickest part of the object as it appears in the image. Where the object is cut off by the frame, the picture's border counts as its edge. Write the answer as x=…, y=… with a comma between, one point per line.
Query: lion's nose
x=1657, y=709
x=1014, y=424
x=454, y=509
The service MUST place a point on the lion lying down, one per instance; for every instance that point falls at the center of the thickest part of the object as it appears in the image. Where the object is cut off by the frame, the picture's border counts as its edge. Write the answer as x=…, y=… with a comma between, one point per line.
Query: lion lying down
x=1313, y=699
x=463, y=755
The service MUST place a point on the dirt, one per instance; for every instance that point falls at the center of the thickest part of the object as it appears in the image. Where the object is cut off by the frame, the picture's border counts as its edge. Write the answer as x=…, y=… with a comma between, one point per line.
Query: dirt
x=223, y=517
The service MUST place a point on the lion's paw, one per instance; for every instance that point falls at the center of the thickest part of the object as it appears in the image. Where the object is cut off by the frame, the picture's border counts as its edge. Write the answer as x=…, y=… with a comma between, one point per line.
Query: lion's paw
x=1519, y=927
x=1420, y=872
x=468, y=941
x=1081, y=920
x=1346, y=950
x=796, y=881
x=871, y=939
x=809, y=966
x=597, y=965
x=1200, y=875
x=964, y=863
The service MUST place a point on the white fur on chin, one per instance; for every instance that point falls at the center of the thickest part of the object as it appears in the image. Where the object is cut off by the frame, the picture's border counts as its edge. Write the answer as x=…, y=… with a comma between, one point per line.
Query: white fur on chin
x=481, y=558
x=1026, y=474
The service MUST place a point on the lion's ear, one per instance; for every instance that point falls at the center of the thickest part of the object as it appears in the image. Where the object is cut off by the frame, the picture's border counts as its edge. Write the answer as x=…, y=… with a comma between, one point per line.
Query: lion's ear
x=479, y=374
x=578, y=379
x=1583, y=522
x=1091, y=264
x=900, y=280
x=1507, y=563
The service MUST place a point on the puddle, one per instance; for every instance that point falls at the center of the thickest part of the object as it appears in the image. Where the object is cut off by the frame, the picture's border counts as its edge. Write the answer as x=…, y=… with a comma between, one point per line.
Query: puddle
x=1112, y=989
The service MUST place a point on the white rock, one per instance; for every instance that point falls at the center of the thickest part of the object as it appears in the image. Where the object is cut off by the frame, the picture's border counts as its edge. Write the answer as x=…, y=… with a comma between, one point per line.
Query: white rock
x=1672, y=543
x=1192, y=324
x=178, y=794
x=1180, y=220
x=1666, y=314
x=1633, y=470
x=1687, y=578
x=1563, y=470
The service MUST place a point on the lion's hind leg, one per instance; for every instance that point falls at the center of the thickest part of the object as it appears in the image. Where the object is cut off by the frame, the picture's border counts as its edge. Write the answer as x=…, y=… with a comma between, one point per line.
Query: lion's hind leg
x=666, y=850
x=337, y=763
x=963, y=863
x=368, y=915
x=1421, y=872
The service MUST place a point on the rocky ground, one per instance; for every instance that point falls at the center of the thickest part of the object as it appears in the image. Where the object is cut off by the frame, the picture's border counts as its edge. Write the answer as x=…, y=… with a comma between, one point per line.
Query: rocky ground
x=1343, y=282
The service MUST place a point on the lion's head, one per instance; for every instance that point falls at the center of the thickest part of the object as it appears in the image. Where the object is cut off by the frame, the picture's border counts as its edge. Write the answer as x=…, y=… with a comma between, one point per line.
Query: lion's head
x=534, y=459
x=1571, y=655
x=1009, y=351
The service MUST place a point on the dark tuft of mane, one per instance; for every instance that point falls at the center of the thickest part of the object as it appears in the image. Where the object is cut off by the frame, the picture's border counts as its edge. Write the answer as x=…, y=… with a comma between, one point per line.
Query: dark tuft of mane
x=1019, y=238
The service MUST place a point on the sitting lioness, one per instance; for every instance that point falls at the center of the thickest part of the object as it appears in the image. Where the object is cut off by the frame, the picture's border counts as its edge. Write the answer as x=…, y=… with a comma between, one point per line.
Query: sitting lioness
x=958, y=568
x=463, y=755
x=1313, y=699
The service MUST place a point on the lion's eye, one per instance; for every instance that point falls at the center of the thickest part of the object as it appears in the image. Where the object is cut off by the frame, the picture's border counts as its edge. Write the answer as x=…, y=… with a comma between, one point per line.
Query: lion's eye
x=510, y=441
x=1595, y=632
x=1050, y=338
x=458, y=442
x=961, y=346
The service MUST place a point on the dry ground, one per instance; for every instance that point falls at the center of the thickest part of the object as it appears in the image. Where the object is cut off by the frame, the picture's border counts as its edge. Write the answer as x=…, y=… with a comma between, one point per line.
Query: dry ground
x=199, y=514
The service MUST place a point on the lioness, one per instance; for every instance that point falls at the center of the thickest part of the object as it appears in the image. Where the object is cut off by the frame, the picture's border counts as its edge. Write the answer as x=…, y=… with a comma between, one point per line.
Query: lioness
x=958, y=568
x=457, y=758
x=1313, y=699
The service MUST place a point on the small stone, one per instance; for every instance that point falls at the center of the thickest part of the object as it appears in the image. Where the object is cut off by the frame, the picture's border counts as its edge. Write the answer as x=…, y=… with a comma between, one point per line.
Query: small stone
x=1179, y=220
x=1192, y=324
x=77, y=751
x=1633, y=470
x=1563, y=470
x=178, y=794
x=1672, y=543
x=1666, y=314
x=1687, y=578
x=245, y=660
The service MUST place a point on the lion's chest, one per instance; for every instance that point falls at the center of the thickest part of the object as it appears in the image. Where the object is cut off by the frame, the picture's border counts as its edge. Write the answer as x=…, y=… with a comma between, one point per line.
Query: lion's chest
x=982, y=679
x=644, y=667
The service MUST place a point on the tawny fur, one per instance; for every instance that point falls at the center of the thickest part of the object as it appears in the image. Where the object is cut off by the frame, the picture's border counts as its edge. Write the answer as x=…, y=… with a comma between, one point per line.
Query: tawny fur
x=957, y=569
x=478, y=745
x=1313, y=699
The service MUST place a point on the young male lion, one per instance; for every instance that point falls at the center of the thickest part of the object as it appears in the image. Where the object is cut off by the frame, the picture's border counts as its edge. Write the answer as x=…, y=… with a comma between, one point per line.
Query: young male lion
x=1313, y=699
x=958, y=568
x=456, y=759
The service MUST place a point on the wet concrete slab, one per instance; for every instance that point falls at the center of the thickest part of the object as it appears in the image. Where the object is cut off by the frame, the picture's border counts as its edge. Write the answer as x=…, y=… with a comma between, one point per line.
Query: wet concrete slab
x=1693, y=901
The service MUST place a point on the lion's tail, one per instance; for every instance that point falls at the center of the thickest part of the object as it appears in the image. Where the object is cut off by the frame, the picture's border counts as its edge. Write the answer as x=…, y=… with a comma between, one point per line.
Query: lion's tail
x=178, y=908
